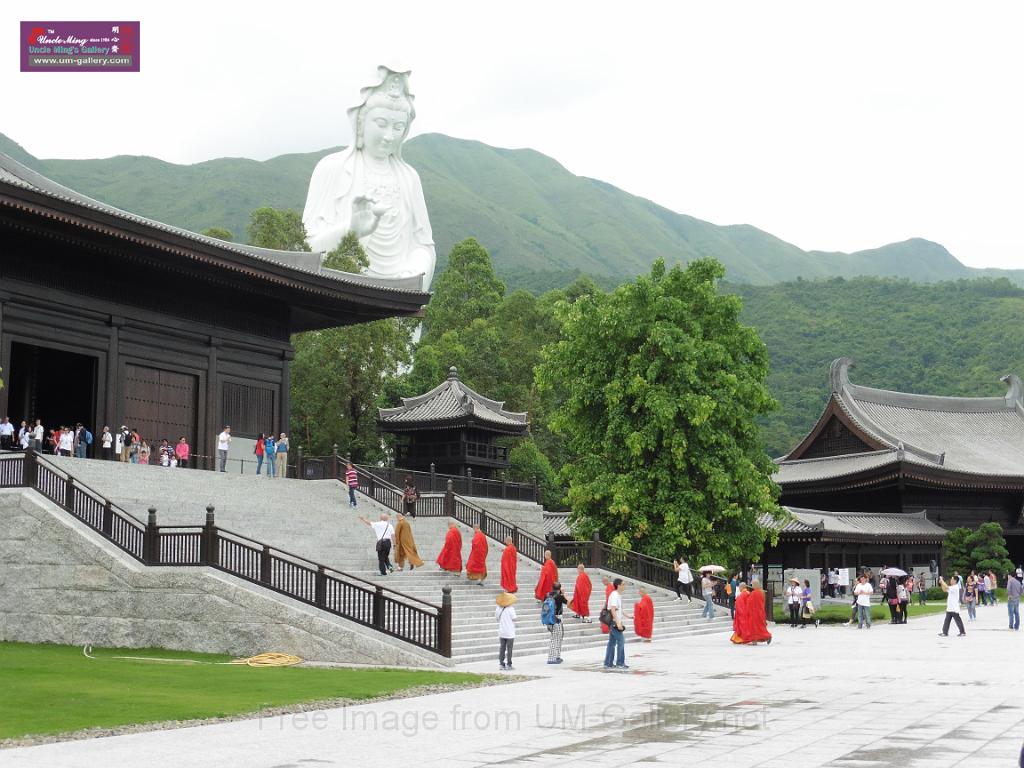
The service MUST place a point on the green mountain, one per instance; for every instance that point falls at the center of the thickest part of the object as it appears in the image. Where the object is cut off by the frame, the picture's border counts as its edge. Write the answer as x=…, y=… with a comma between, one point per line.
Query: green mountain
x=542, y=224
x=955, y=338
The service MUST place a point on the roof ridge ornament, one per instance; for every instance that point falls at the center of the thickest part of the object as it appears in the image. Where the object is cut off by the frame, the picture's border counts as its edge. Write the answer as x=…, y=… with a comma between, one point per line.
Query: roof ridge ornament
x=1015, y=391
x=839, y=374
x=453, y=374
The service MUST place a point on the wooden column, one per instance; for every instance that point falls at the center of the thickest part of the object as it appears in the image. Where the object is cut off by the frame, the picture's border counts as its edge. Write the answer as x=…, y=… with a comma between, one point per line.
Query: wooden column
x=5, y=363
x=286, y=383
x=113, y=402
x=207, y=442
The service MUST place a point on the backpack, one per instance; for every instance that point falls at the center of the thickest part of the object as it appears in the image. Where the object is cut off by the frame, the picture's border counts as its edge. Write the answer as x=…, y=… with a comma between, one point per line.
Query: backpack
x=88, y=437
x=547, y=612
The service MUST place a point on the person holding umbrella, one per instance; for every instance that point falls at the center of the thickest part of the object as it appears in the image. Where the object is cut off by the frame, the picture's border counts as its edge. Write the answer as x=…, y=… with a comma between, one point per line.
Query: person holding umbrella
x=892, y=577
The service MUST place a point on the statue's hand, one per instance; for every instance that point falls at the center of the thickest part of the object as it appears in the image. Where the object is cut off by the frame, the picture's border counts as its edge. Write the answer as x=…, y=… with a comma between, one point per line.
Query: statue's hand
x=366, y=213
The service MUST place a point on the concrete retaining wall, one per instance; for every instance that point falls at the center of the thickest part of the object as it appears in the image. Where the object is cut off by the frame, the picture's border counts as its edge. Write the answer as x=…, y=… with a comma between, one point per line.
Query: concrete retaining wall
x=61, y=582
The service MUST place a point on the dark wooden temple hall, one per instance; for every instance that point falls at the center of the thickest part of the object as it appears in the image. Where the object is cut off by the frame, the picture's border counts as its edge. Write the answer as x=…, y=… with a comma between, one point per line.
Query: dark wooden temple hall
x=947, y=462
x=453, y=428
x=109, y=318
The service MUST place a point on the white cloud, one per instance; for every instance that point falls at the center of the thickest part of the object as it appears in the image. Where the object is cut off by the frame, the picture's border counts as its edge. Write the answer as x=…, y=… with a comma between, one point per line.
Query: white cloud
x=837, y=126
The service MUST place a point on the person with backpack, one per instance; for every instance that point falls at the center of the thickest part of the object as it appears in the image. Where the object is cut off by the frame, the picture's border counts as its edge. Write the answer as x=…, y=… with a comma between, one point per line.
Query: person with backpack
x=551, y=617
x=613, y=617
x=270, y=453
x=410, y=496
x=384, y=532
x=505, y=615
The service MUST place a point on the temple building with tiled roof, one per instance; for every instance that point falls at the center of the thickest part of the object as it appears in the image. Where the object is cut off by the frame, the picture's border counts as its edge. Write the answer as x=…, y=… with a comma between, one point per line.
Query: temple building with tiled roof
x=949, y=461
x=109, y=318
x=452, y=429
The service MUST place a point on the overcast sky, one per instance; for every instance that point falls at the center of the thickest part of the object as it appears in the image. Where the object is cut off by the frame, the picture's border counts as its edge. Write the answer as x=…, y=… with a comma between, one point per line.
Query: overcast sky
x=835, y=126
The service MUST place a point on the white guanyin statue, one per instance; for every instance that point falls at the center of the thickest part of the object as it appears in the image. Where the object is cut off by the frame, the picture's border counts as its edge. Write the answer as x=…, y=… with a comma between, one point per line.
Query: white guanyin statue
x=368, y=189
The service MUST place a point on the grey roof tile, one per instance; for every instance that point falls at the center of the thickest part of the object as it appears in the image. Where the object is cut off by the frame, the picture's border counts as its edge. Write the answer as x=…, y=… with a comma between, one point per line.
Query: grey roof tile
x=13, y=172
x=866, y=525
x=453, y=401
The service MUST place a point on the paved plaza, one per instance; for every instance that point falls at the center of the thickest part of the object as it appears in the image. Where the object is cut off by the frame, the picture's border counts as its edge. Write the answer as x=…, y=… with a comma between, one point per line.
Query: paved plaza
x=830, y=696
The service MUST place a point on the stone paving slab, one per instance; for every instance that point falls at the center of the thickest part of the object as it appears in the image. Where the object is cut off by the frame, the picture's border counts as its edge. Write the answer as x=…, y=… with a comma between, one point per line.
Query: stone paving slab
x=831, y=696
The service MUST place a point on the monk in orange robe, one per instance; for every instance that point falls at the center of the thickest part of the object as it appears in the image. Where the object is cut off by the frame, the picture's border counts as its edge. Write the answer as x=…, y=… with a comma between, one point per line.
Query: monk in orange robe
x=476, y=565
x=450, y=558
x=548, y=576
x=581, y=594
x=643, y=616
x=608, y=589
x=405, y=545
x=509, y=562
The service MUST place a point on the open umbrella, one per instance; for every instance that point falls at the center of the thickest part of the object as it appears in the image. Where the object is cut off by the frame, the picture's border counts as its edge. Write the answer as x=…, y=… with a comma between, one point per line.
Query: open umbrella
x=893, y=572
x=712, y=568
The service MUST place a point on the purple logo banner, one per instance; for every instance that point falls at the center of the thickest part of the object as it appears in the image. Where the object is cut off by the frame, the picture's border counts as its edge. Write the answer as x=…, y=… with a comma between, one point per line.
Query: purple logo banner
x=79, y=46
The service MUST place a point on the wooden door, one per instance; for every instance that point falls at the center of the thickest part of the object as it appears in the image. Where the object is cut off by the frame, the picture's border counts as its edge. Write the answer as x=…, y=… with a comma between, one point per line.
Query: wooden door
x=160, y=404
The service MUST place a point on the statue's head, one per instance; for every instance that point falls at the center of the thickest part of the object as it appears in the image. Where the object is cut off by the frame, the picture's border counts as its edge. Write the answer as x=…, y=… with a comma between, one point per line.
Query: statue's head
x=381, y=121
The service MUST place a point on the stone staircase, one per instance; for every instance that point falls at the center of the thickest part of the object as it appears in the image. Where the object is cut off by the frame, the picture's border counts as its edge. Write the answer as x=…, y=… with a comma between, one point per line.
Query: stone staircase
x=312, y=519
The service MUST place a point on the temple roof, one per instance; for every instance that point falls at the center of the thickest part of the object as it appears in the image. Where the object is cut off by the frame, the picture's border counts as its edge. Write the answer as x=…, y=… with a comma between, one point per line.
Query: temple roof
x=452, y=404
x=25, y=190
x=958, y=435
x=848, y=526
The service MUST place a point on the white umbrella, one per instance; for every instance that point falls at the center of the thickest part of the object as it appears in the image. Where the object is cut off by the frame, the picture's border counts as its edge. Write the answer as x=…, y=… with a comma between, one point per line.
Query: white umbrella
x=712, y=568
x=893, y=572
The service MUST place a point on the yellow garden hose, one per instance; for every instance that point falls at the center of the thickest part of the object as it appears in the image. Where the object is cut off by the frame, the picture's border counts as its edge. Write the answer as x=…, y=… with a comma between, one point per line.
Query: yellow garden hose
x=260, y=660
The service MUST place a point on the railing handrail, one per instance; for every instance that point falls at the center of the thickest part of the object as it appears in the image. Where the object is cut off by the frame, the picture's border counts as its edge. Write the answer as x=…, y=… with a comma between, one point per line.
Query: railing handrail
x=326, y=568
x=30, y=480
x=79, y=484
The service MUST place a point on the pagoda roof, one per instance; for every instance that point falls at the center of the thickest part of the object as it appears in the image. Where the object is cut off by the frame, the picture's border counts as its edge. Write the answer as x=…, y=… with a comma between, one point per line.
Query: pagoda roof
x=874, y=527
x=902, y=432
x=452, y=404
x=324, y=297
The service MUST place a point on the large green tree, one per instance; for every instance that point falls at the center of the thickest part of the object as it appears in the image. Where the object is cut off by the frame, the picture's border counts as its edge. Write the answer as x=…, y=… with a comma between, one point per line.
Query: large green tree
x=987, y=548
x=661, y=385
x=956, y=552
x=281, y=229
x=467, y=290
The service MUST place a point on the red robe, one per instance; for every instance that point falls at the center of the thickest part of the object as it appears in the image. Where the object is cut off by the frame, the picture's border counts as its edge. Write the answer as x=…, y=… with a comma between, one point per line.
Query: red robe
x=508, y=569
x=548, y=576
x=450, y=558
x=643, y=617
x=476, y=565
x=609, y=588
x=751, y=624
x=739, y=616
x=581, y=595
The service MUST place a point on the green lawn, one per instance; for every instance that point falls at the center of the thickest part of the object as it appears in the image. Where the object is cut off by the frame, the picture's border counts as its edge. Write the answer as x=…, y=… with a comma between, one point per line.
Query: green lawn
x=48, y=689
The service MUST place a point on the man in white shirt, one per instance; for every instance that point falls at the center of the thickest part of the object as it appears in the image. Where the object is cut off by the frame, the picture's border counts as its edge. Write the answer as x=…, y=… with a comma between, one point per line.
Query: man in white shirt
x=223, y=445
x=385, y=535
x=616, y=650
x=952, y=591
x=684, y=580
x=6, y=434
x=863, y=591
x=38, y=433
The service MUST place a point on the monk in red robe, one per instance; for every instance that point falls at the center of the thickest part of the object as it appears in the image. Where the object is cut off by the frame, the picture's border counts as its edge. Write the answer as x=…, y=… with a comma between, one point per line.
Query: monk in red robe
x=509, y=562
x=548, y=576
x=643, y=616
x=739, y=613
x=450, y=558
x=608, y=589
x=476, y=565
x=752, y=627
x=581, y=594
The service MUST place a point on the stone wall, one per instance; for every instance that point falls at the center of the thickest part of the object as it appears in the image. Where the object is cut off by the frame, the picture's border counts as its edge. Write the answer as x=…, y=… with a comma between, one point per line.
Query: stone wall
x=61, y=582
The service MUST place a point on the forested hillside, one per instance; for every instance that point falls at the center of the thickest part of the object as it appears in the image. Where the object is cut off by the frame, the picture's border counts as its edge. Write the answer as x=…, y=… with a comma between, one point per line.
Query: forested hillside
x=542, y=224
x=955, y=338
